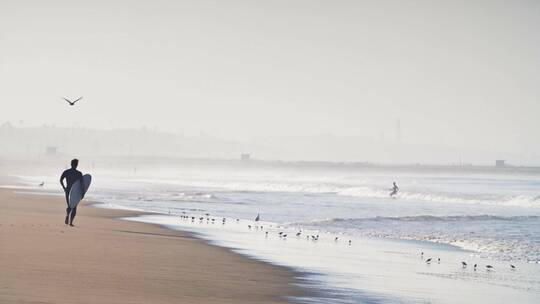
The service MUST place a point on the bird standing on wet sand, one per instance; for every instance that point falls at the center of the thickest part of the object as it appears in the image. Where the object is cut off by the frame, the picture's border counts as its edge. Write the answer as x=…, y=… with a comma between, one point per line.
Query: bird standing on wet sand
x=489, y=267
x=428, y=261
x=463, y=264
x=72, y=103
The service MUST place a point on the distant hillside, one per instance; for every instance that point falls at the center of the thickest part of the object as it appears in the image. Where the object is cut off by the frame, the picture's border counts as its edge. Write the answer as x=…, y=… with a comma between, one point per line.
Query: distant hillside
x=32, y=142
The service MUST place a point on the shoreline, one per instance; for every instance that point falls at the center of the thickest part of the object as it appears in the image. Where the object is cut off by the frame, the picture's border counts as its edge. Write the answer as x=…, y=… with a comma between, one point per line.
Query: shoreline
x=30, y=190
x=138, y=255
x=381, y=270
x=372, y=270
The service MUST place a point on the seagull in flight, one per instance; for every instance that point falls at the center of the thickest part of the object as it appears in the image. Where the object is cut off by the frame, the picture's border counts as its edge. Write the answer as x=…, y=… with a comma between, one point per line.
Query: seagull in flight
x=72, y=103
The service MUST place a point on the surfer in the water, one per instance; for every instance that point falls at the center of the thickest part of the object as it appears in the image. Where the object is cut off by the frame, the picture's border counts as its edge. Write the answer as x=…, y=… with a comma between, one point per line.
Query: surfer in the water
x=395, y=190
x=71, y=176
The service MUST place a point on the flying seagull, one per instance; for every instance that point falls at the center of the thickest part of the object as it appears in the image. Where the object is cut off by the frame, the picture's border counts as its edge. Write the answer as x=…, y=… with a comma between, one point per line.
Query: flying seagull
x=72, y=103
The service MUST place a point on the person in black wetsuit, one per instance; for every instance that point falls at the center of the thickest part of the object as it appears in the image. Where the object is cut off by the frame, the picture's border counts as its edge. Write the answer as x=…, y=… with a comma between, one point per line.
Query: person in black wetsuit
x=71, y=176
x=395, y=190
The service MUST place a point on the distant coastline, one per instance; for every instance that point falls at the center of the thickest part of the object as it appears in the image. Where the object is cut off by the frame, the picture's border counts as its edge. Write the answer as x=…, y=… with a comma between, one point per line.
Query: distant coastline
x=31, y=142
x=127, y=162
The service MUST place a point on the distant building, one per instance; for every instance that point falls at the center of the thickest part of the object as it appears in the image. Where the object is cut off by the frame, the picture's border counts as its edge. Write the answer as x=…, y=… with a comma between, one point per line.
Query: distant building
x=500, y=163
x=245, y=156
x=51, y=151
x=6, y=125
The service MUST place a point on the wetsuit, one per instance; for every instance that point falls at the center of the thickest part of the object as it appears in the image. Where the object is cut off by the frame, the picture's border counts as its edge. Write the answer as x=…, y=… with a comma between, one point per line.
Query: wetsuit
x=71, y=176
x=395, y=189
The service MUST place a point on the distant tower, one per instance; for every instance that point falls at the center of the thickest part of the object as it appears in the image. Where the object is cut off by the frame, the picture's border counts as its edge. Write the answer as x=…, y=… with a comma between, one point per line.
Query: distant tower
x=398, y=130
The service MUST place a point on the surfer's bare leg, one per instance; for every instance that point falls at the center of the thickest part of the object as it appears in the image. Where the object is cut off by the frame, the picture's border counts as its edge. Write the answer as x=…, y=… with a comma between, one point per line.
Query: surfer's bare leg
x=73, y=213
x=67, y=209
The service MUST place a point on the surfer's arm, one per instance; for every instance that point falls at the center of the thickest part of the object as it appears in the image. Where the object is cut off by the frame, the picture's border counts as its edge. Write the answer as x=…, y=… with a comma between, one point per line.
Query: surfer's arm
x=62, y=182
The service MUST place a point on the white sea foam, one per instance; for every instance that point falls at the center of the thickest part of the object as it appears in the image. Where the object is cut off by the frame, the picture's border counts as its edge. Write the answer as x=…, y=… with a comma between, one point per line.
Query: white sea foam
x=523, y=200
x=503, y=237
x=368, y=270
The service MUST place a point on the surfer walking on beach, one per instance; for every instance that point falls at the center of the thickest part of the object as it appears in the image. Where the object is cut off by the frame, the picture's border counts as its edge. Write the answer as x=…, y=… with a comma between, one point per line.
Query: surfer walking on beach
x=71, y=176
x=395, y=190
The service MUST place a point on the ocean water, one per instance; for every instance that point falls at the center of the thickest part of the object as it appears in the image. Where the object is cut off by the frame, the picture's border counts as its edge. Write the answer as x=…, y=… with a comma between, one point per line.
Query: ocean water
x=344, y=228
x=497, y=215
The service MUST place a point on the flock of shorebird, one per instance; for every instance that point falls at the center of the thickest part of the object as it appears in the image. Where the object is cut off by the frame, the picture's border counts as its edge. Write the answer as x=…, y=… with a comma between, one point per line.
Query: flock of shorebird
x=310, y=237
x=281, y=233
x=463, y=263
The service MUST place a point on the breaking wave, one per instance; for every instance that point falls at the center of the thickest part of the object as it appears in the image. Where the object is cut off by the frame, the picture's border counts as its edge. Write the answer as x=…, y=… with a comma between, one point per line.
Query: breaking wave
x=420, y=218
x=368, y=192
x=501, y=237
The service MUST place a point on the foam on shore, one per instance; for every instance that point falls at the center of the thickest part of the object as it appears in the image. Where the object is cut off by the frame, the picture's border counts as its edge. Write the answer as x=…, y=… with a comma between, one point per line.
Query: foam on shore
x=369, y=270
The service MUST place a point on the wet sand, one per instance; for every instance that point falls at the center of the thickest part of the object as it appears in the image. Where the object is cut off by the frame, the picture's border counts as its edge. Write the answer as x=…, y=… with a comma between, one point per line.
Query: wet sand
x=106, y=260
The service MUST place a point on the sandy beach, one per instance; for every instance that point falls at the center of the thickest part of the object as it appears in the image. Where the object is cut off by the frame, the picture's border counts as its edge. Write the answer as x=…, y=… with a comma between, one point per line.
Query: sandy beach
x=106, y=260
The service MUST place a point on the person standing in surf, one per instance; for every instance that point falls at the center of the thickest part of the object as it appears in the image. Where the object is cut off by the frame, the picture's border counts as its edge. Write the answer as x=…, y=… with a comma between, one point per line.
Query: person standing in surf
x=395, y=190
x=71, y=176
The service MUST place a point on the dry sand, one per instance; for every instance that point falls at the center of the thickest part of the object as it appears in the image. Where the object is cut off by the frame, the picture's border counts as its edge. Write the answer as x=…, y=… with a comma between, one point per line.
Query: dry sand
x=106, y=260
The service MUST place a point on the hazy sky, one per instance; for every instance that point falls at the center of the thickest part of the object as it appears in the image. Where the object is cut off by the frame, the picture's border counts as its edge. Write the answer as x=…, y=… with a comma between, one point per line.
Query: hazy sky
x=458, y=73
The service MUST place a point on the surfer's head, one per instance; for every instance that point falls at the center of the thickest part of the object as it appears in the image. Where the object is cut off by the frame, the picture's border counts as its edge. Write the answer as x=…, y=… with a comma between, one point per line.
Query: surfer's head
x=74, y=163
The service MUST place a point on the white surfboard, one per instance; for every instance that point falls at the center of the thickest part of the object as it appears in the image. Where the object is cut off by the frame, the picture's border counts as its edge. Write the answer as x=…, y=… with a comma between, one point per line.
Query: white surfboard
x=75, y=194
